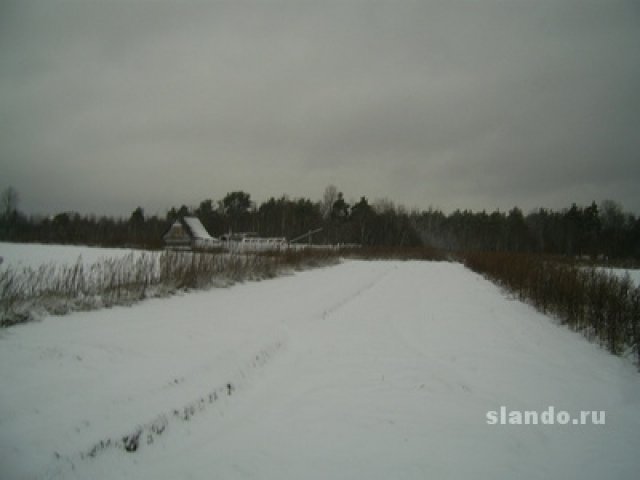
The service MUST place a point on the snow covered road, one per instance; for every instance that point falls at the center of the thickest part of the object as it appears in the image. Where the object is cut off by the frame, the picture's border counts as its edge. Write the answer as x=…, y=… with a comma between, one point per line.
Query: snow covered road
x=363, y=370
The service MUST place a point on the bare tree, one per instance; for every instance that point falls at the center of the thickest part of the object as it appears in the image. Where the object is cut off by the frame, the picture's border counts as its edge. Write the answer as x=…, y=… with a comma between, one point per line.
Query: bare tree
x=328, y=199
x=384, y=205
x=612, y=215
x=9, y=201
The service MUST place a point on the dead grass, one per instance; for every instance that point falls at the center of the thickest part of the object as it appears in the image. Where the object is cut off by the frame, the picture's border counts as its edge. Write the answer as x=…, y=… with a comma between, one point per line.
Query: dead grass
x=27, y=293
x=604, y=307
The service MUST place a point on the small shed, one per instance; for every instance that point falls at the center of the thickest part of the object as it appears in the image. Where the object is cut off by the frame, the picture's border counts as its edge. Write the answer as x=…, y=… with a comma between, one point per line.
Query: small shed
x=188, y=233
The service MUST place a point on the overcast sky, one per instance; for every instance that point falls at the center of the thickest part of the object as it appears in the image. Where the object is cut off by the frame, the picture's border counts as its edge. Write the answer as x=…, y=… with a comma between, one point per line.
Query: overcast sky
x=108, y=105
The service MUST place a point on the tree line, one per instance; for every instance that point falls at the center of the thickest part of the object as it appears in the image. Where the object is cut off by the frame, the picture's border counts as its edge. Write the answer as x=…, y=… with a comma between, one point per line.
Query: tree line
x=603, y=230
x=333, y=219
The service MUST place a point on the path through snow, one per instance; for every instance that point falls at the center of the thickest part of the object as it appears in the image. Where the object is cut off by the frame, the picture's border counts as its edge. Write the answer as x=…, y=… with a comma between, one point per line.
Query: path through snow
x=364, y=370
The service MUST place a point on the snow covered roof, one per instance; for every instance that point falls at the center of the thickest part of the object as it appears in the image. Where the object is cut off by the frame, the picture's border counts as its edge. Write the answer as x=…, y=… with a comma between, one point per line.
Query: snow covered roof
x=197, y=229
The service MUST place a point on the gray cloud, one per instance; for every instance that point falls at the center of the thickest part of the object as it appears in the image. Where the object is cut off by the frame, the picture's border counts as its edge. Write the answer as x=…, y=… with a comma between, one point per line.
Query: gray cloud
x=110, y=105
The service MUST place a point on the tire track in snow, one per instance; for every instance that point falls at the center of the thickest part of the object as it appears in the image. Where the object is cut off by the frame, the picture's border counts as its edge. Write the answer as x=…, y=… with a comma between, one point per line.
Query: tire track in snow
x=146, y=434
x=358, y=293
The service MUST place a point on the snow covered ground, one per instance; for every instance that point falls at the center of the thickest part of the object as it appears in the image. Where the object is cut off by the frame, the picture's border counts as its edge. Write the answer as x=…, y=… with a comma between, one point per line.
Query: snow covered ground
x=634, y=275
x=373, y=370
x=34, y=255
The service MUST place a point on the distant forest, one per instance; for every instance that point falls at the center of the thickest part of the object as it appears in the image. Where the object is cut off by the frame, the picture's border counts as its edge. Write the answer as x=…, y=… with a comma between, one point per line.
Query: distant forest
x=602, y=231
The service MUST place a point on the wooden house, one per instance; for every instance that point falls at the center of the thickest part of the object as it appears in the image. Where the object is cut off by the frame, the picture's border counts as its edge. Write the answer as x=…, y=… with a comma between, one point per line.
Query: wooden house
x=188, y=233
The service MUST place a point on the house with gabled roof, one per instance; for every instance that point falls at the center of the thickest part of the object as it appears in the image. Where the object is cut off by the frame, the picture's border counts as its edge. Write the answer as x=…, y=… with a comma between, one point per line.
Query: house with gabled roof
x=188, y=233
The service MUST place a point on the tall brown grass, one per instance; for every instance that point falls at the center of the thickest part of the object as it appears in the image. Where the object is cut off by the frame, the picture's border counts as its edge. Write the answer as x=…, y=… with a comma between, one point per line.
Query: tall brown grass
x=605, y=307
x=396, y=253
x=27, y=293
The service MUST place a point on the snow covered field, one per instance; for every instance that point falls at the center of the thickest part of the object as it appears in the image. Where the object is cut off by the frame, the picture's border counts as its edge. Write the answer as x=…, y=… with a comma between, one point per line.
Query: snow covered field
x=634, y=275
x=373, y=370
x=34, y=255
